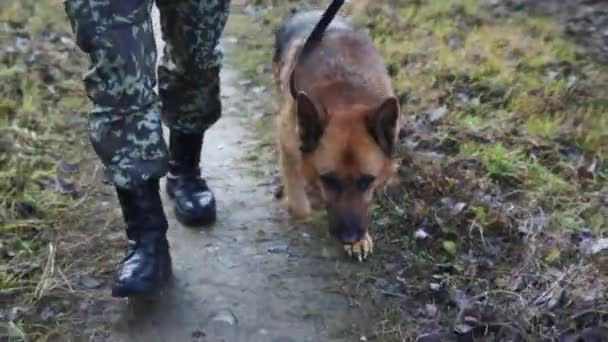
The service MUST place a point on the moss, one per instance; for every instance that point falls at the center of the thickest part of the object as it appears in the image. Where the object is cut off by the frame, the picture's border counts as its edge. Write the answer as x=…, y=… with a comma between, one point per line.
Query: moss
x=591, y=131
x=539, y=178
x=546, y=127
x=497, y=160
x=500, y=161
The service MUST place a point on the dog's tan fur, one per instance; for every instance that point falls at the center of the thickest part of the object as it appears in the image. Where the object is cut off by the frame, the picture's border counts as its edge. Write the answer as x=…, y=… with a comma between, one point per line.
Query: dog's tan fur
x=345, y=82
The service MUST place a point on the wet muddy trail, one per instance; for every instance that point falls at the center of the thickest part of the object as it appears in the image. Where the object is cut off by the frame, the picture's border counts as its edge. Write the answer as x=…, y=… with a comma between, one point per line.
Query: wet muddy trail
x=252, y=276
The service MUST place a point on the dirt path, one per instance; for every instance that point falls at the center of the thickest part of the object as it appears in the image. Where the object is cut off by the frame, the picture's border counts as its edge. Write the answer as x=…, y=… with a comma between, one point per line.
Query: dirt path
x=252, y=276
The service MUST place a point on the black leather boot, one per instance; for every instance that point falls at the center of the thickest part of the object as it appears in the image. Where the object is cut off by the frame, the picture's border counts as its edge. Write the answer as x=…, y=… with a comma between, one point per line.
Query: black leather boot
x=147, y=264
x=193, y=200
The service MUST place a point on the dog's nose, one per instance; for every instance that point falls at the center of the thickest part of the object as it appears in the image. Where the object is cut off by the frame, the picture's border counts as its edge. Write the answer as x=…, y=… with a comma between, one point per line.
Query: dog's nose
x=350, y=235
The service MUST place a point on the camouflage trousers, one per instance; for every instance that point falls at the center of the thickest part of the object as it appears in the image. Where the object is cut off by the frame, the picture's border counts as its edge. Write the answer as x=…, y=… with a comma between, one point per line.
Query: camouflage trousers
x=125, y=124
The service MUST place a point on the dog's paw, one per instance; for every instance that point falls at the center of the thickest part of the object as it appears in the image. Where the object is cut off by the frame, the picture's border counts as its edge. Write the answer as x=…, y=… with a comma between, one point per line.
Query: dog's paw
x=361, y=249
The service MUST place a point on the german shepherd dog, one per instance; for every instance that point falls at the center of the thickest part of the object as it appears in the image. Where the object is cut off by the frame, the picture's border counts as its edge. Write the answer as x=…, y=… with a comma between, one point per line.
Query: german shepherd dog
x=337, y=121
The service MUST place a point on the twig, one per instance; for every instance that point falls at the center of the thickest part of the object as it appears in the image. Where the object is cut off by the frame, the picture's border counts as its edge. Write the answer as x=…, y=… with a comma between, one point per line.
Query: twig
x=65, y=279
x=506, y=292
x=15, y=329
x=47, y=273
x=551, y=288
x=586, y=312
x=13, y=291
x=393, y=294
x=86, y=194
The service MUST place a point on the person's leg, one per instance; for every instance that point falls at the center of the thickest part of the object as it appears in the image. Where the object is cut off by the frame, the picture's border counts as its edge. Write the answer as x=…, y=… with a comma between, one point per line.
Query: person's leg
x=125, y=129
x=189, y=87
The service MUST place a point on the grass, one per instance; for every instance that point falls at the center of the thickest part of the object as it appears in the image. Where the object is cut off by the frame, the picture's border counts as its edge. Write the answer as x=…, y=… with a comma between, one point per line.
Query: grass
x=500, y=162
x=517, y=92
x=252, y=54
x=506, y=196
x=45, y=226
x=527, y=56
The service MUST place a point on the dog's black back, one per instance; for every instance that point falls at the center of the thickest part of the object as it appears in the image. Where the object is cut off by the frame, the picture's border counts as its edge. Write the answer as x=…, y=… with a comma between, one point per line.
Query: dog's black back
x=301, y=25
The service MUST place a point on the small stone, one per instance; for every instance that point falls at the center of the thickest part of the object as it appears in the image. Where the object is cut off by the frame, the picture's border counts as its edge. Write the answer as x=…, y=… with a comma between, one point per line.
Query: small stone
x=22, y=44
x=222, y=324
x=438, y=113
x=67, y=42
x=421, y=234
x=485, y=264
x=231, y=40
x=66, y=167
x=279, y=249
x=250, y=10
x=259, y=90
x=463, y=328
x=430, y=310
x=198, y=334
x=90, y=283
x=457, y=208
x=599, y=246
x=454, y=43
x=31, y=58
x=435, y=286
x=116, y=236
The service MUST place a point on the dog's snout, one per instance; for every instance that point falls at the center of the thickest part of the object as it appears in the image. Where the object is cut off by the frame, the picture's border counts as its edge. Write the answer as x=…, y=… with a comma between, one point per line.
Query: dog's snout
x=348, y=226
x=350, y=235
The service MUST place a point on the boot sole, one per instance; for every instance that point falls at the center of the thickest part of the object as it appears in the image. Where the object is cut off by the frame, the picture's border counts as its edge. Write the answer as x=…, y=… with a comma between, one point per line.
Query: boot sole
x=192, y=221
x=145, y=291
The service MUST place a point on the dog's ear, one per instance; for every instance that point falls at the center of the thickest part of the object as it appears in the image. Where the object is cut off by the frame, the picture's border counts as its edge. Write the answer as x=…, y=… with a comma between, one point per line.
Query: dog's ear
x=382, y=125
x=310, y=123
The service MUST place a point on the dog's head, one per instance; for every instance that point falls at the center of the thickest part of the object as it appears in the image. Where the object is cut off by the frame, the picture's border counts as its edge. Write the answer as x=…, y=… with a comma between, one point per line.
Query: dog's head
x=347, y=155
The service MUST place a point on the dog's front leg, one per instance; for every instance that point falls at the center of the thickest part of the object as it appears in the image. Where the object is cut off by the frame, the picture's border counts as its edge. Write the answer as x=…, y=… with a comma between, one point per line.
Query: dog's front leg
x=294, y=184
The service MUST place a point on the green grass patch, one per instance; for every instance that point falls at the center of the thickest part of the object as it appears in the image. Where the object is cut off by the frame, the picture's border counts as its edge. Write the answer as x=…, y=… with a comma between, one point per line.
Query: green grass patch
x=501, y=162
x=546, y=127
x=252, y=51
x=526, y=56
x=41, y=227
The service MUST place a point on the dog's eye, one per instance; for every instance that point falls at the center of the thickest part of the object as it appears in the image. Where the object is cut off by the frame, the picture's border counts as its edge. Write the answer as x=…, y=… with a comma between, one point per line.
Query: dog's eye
x=331, y=182
x=364, y=182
